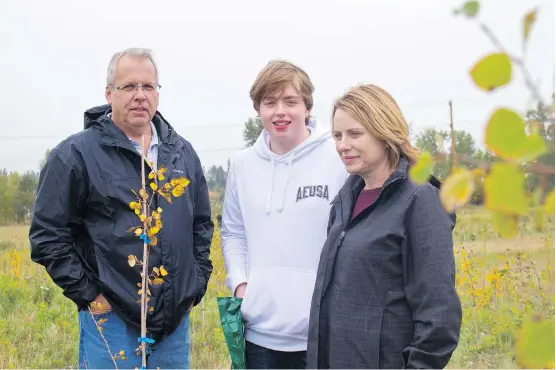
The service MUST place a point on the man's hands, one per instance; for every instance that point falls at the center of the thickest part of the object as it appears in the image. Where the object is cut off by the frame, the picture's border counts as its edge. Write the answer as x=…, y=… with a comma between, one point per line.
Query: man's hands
x=100, y=305
x=240, y=290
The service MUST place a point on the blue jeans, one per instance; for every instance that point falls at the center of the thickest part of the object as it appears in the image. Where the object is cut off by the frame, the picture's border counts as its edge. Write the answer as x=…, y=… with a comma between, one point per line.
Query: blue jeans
x=172, y=352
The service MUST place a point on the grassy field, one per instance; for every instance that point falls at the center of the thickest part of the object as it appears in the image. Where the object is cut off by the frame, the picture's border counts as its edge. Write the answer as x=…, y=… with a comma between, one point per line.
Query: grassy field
x=501, y=284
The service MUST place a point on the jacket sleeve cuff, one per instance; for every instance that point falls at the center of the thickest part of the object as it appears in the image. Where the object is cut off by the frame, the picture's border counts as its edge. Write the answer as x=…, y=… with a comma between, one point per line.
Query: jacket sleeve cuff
x=85, y=300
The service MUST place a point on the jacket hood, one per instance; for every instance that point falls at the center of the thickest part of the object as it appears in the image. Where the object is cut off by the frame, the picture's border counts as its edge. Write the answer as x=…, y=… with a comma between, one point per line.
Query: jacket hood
x=98, y=116
x=318, y=136
x=262, y=148
x=93, y=114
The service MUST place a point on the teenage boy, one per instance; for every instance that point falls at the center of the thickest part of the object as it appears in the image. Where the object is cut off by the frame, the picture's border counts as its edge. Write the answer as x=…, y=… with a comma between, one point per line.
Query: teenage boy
x=275, y=217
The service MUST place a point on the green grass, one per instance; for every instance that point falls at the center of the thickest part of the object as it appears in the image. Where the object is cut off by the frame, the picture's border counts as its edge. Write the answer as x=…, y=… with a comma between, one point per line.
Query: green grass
x=39, y=325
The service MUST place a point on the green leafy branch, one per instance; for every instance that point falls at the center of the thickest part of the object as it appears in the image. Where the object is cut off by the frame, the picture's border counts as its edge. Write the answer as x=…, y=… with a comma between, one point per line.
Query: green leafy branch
x=517, y=147
x=507, y=136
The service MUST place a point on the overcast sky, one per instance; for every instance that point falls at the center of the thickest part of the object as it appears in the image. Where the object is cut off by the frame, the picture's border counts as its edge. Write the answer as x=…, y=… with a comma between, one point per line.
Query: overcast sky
x=55, y=54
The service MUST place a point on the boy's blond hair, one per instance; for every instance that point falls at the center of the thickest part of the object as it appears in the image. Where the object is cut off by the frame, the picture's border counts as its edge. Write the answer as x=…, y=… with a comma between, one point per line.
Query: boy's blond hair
x=275, y=76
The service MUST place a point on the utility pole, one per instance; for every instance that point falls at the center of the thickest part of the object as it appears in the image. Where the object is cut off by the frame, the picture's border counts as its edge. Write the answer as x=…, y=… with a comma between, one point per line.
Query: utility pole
x=453, y=136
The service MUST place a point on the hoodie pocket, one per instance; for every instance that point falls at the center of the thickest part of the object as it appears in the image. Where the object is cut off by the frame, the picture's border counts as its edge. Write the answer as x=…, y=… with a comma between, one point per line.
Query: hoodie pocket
x=279, y=300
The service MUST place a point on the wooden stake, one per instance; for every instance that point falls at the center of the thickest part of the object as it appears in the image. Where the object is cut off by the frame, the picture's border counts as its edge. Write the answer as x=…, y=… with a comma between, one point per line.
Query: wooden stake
x=453, y=137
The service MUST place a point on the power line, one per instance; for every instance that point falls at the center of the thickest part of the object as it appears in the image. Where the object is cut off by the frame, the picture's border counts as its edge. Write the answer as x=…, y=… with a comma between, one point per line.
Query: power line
x=219, y=149
x=183, y=128
x=53, y=137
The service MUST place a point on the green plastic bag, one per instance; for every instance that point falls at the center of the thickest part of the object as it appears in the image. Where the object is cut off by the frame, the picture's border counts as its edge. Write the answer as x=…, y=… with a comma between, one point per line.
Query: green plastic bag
x=232, y=327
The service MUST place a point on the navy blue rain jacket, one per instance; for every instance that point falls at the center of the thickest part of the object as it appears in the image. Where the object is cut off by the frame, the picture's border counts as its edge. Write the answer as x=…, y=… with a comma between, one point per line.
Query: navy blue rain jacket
x=80, y=225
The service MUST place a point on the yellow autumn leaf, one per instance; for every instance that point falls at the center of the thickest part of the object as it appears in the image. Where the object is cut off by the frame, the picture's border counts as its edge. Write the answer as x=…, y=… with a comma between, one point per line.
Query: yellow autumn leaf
x=122, y=352
x=151, y=309
x=506, y=225
x=151, y=176
x=505, y=190
x=140, y=291
x=492, y=72
x=153, y=230
x=137, y=212
x=159, y=210
x=457, y=189
x=131, y=260
x=158, y=224
x=535, y=344
x=178, y=191
x=160, y=177
x=166, y=196
x=506, y=136
x=154, y=241
x=143, y=194
x=528, y=21
x=134, y=205
x=158, y=281
x=142, y=218
x=167, y=186
x=180, y=181
x=469, y=9
x=153, y=186
x=163, y=271
x=421, y=171
x=138, y=231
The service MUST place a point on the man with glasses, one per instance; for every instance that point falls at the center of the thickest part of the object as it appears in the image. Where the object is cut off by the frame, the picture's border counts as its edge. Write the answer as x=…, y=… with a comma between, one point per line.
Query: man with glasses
x=81, y=221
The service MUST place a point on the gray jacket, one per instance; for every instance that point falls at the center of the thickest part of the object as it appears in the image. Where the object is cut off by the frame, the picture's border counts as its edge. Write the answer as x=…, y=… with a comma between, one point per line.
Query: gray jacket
x=385, y=292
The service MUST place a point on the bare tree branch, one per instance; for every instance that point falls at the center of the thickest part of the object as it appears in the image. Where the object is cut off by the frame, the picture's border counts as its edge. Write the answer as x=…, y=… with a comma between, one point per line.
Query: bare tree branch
x=518, y=61
x=536, y=167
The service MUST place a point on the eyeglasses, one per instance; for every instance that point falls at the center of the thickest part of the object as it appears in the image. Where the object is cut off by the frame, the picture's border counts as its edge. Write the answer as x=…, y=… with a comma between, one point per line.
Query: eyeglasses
x=149, y=88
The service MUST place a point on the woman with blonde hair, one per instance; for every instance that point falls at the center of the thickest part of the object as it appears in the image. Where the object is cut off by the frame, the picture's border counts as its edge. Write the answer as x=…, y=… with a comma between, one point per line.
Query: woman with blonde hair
x=385, y=292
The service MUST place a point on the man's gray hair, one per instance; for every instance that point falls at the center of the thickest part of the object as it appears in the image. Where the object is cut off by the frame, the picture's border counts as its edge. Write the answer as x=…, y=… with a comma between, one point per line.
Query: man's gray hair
x=134, y=52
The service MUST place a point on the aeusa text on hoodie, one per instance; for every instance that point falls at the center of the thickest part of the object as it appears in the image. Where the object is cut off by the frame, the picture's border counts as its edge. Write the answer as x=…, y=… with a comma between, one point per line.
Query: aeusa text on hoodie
x=274, y=225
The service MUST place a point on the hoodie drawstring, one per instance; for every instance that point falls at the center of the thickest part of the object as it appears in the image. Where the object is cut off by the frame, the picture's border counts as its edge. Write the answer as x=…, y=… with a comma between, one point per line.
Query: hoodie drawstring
x=273, y=178
x=269, y=202
x=279, y=209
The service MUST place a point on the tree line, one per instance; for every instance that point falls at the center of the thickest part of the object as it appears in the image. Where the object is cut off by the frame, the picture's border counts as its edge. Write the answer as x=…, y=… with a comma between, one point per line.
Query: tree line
x=17, y=191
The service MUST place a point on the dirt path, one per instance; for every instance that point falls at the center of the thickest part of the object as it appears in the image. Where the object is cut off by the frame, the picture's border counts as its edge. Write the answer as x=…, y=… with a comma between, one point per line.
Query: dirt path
x=526, y=243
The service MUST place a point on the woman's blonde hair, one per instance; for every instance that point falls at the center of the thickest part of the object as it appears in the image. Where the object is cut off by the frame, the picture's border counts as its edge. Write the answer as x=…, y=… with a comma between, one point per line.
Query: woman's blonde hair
x=379, y=113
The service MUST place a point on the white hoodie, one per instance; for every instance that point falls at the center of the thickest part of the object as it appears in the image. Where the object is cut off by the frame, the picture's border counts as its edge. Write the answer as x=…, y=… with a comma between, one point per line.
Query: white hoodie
x=274, y=225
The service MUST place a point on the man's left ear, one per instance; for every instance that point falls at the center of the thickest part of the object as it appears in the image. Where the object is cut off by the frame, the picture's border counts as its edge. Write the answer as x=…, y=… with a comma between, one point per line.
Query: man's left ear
x=108, y=95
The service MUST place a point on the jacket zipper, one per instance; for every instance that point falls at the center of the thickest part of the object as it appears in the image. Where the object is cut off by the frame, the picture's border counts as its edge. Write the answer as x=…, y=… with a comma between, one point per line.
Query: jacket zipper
x=365, y=212
x=346, y=228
